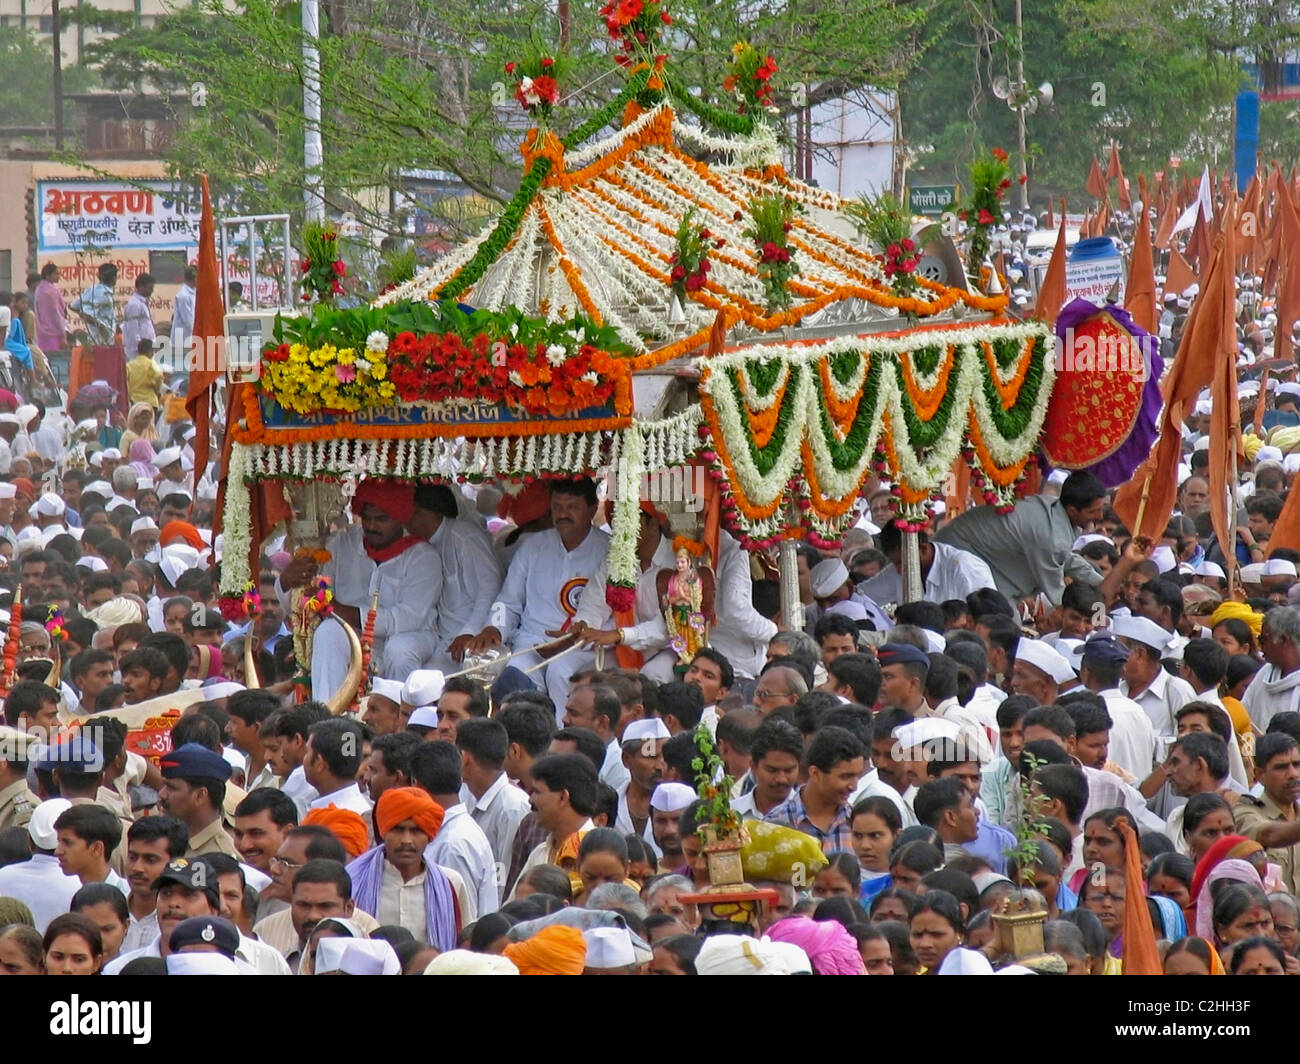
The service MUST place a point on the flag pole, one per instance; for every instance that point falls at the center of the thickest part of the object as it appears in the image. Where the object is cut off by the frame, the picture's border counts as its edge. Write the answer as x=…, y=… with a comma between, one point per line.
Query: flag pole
x=1142, y=506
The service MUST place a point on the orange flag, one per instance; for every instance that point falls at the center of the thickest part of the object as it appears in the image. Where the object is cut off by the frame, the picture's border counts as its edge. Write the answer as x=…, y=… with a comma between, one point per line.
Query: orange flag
x=1096, y=183
x=1124, y=198
x=1180, y=274
x=1140, y=954
x=1164, y=231
x=1220, y=294
x=1051, y=293
x=1288, y=289
x=1113, y=168
x=1257, y=427
x=210, y=328
x=1140, y=292
x=1198, y=244
x=1209, y=339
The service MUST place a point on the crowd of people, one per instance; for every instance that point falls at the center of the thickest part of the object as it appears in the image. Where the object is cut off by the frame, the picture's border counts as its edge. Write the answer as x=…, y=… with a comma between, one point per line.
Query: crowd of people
x=1067, y=722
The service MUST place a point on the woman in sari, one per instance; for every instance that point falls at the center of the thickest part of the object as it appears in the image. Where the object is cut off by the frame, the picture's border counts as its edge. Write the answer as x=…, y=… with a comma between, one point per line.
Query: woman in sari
x=139, y=425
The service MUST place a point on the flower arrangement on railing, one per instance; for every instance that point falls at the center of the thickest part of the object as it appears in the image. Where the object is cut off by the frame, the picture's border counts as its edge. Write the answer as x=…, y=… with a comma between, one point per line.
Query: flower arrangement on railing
x=690, y=261
x=322, y=269
x=635, y=26
x=340, y=361
x=770, y=220
x=750, y=80
x=538, y=76
x=990, y=177
x=887, y=223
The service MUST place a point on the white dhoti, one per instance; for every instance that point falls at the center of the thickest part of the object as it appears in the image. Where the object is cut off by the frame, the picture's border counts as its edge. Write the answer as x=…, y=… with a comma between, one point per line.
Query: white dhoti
x=553, y=677
x=394, y=658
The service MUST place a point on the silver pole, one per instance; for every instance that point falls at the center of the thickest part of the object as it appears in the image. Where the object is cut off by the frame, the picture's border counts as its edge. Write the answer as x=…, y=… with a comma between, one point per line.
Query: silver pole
x=913, y=589
x=792, y=616
x=313, y=155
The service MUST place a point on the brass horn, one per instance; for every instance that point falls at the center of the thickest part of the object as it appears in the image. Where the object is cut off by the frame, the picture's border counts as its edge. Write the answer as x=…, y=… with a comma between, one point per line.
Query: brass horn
x=56, y=668
x=342, y=698
x=251, y=679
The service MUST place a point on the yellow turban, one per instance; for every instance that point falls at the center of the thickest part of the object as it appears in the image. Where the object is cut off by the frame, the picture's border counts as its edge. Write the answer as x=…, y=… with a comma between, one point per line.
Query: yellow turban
x=1251, y=444
x=554, y=950
x=1238, y=611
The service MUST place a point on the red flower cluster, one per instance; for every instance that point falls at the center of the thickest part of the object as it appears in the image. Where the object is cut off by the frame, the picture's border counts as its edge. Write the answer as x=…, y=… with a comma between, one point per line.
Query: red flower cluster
x=439, y=367
x=901, y=258
x=634, y=23
x=1000, y=155
x=771, y=252
x=542, y=91
x=763, y=75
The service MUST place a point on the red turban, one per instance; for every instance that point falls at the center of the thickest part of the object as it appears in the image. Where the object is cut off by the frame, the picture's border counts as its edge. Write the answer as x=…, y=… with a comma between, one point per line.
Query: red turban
x=25, y=489
x=554, y=950
x=408, y=803
x=182, y=530
x=530, y=504
x=345, y=825
x=394, y=497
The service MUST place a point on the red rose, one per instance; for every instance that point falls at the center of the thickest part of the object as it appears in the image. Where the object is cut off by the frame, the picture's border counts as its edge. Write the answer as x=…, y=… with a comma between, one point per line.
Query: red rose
x=893, y=251
x=985, y=218
x=908, y=244
x=1022, y=179
x=1005, y=183
x=999, y=155
x=305, y=265
x=665, y=18
x=694, y=283
x=889, y=269
x=510, y=68
x=339, y=268
x=705, y=234
x=705, y=266
x=548, y=62
x=770, y=250
x=907, y=265
x=678, y=273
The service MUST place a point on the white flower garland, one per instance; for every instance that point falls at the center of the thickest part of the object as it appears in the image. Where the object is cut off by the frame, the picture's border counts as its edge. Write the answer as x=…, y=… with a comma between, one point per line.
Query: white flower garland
x=919, y=468
x=236, y=525
x=629, y=464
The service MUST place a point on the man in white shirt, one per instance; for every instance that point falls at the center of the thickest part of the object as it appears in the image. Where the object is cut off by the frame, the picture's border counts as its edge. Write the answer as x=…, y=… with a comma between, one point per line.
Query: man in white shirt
x=946, y=571
x=460, y=844
x=1145, y=680
x=471, y=572
x=1276, y=687
x=741, y=633
x=152, y=842
x=40, y=883
x=596, y=707
x=374, y=556
x=1132, y=739
x=643, y=757
x=183, y=316
x=137, y=319
x=496, y=805
x=540, y=596
x=331, y=763
x=645, y=639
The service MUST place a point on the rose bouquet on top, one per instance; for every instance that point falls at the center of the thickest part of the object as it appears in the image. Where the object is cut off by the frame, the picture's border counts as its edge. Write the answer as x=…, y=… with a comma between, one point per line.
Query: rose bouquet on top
x=888, y=225
x=771, y=219
x=990, y=177
x=635, y=26
x=538, y=76
x=749, y=79
x=322, y=269
x=690, y=262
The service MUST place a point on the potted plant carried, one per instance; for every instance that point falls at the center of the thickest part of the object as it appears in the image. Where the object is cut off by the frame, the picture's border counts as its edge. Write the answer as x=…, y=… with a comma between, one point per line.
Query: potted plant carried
x=723, y=834
x=1019, y=927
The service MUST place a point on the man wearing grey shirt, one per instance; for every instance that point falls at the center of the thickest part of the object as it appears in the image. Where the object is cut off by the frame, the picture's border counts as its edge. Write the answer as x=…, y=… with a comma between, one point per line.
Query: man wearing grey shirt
x=1030, y=550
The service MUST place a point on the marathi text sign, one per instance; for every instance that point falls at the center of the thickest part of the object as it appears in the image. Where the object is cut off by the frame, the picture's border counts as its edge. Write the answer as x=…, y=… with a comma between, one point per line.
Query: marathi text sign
x=466, y=412
x=113, y=215
x=1093, y=279
x=931, y=200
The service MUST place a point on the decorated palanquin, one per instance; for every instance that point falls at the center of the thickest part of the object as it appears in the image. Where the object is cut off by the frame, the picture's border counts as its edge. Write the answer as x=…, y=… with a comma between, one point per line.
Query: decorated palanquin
x=634, y=309
x=149, y=724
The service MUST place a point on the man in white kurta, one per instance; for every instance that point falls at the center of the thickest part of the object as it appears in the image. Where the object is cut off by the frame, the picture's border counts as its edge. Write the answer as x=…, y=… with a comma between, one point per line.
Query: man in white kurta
x=1276, y=687
x=375, y=555
x=741, y=633
x=648, y=634
x=947, y=572
x=543, y=585
x=471, y=572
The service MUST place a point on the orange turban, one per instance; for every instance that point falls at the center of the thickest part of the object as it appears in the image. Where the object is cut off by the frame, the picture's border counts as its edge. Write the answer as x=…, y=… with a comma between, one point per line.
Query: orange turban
x=25, y=489
x=408, y=803
x=182, y=530
x=345, y=825
x=527, y=506
x=554, y=950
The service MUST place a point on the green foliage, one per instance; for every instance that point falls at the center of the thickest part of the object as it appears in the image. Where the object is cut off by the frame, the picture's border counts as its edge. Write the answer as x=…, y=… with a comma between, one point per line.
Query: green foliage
x=408, y=84
x=1030, y=829
x=349, y=326
x=1154, y=75
x=982, y=209
x=397, y=266
x=713, y=786
x=769, y=230
x=887, y=223
x=27, y=80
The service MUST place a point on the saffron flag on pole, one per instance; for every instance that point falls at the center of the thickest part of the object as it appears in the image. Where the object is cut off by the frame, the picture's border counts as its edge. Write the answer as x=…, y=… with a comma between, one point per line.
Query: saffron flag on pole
x=1096, y=183
x=1052, y=291
x=1140, y=292
x=209, y=331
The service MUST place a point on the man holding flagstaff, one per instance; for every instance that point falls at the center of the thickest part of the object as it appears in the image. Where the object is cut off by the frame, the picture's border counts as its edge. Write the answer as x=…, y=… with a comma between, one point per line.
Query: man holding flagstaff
x=375, y=555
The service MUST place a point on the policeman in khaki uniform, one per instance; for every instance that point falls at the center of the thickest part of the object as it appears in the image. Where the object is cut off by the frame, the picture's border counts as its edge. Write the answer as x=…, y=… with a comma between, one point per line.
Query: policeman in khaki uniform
x=194, y=786
x=16, y=799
